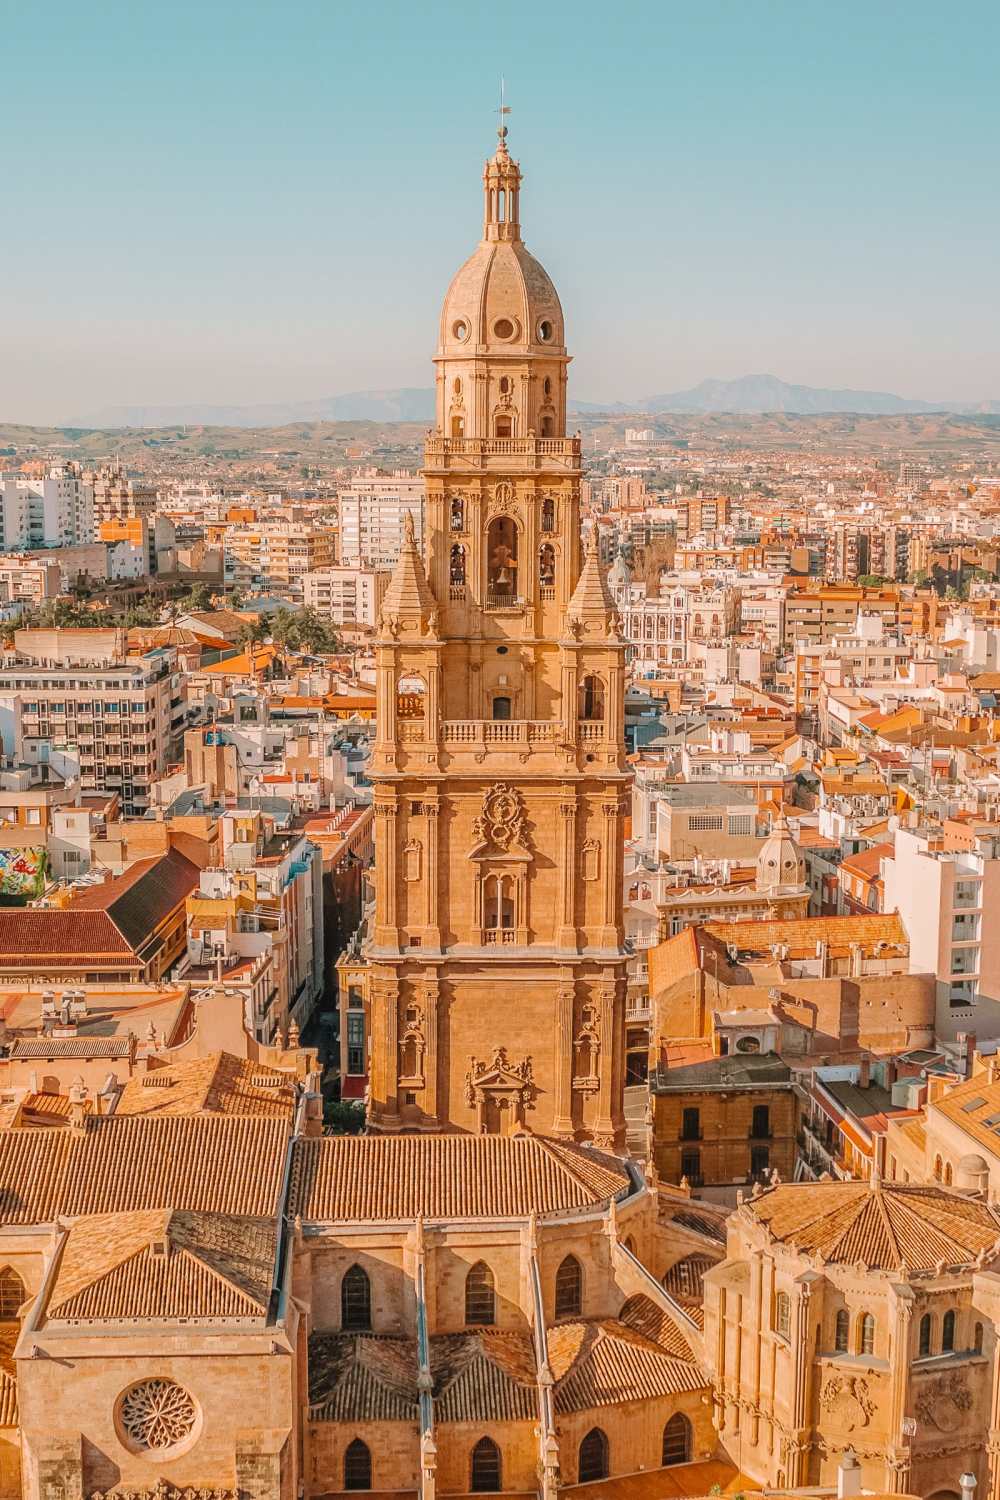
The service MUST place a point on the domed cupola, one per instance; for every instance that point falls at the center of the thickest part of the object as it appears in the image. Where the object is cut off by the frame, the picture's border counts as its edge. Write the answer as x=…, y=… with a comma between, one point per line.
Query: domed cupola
x=780, y=866
x=501, y=359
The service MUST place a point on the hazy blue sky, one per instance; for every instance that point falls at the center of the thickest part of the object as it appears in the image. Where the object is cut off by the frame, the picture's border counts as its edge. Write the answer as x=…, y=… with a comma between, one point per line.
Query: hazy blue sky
x=236, y=202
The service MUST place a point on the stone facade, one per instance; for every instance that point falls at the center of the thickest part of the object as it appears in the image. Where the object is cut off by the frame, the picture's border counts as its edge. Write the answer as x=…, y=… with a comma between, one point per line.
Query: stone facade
x=499, y=772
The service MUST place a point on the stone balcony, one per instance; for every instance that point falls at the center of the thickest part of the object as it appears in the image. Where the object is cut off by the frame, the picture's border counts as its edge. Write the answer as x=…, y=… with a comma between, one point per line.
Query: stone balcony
x=470, y=454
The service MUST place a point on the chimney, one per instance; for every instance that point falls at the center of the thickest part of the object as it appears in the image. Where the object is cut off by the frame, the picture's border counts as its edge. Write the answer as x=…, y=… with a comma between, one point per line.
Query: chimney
x=849, y=1477
x=864, y=1072
x=967, y=1042
x=78, y=1106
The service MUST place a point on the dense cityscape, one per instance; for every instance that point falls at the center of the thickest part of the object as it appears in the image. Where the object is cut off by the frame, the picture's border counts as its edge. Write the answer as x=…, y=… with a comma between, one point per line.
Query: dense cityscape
x=498, y=990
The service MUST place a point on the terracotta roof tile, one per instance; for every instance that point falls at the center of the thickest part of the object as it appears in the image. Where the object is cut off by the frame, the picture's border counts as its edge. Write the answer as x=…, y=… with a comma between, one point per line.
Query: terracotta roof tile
x=220, y=1083
x=605, y=1363
x=362, y=1378
x=886, y=1226
x=209, y=1163
x=447, y=1176
x=483, y=1377
x=164, y=1266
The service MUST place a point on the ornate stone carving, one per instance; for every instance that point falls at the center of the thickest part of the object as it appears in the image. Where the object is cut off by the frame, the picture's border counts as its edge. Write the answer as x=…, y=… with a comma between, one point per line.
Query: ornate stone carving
x=163, y=1490
x=413, y=858
x=591, y=860
x=156, y=1415
x=850, y=1397
x=502, y=502
x=587, y=1052
x=412, y=1046
x=501, y=823
x=941, y=1400
x=501, y=1082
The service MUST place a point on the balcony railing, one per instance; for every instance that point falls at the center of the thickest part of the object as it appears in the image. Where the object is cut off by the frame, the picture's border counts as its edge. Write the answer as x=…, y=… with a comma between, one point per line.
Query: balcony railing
x=495, y=601
x=515, y=732
x=500, y=447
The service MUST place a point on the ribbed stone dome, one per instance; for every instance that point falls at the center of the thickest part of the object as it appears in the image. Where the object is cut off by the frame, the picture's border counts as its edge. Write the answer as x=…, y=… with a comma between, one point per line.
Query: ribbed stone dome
x=502, y=298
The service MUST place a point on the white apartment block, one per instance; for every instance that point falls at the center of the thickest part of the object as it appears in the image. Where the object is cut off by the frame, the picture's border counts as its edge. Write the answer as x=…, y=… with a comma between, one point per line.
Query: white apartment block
x=79, y=691
x=948, y=900
x=54, y=510
x=345, y=594
x=373, y=510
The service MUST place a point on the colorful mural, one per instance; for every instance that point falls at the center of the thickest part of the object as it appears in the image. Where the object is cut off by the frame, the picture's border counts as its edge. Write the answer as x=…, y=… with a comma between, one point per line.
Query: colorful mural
x=22, y=872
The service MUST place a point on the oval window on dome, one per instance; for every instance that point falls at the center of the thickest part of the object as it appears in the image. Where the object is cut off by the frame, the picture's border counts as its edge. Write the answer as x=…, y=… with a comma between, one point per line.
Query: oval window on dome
x=504, y=328
x=460, y=330
x=544, y=331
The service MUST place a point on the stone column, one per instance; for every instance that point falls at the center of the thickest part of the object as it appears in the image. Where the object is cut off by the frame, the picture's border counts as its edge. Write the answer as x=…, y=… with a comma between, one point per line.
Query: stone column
x=562, y=1122
x=430, y=1003
x=796, y=1473
x=610, y=895
x=384, y=1077
x=897, y=1459
x=566, y=931
x=604, y=1125
x=432, y=932
x=386, y=861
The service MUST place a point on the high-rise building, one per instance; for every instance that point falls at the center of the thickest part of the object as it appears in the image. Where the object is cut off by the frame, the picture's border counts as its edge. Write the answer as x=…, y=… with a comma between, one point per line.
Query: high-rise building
x=46, y=510
x=497, y=972
x=120, y=497
x=373, y=512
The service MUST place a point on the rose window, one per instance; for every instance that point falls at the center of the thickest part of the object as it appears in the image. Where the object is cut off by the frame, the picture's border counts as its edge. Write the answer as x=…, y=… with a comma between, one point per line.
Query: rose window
x=157, y=1414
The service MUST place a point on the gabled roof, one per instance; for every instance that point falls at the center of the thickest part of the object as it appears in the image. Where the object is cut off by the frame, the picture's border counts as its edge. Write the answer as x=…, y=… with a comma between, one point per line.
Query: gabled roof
x=111, y=920
x=362, y=1378
x=220, y=1083
x=398, y=1177
x=202, y=1163
x=606, y=1362
x=162, y=1265
x=484, y=1376
x=885, y=1226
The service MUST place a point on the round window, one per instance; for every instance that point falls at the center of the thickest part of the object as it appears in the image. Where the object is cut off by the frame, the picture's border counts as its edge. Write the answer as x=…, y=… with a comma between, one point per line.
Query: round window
x=503, y=328
x=460, y=330
x=544, y=331
x=158, y=1416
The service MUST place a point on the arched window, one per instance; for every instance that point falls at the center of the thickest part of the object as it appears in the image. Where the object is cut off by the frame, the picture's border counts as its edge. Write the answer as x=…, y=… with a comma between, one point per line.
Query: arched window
x=569, y=1288
x=458, y=514
x=866, y=1336
x=357, y=1466
x=411, y=695
x=356, y=1299
x=842, y=1332
x=948, y=1332
x=498, y=904
x=948, y=1178
x=12, y=1293
x=548, y=515
x=486, y=1474
x=782, y=1315
x=938, y=1165
x=547, y=565
x=501, y=560
x=677, y=1440
x=593, y=1458
x=456, y=565
x=591, y=698
x=924, y=1337
x=501, y=707
x=480, y=1296
x=977, y=1339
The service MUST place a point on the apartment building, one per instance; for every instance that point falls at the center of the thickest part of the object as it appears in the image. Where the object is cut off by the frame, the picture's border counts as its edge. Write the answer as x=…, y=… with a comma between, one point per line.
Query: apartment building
x=79, y=690
x=28, y=580
x=277, y=552
x=373, y=510
x=824, y=612
x=945, y=894
x=119, y=496
x=345, y=594
x=55, y=509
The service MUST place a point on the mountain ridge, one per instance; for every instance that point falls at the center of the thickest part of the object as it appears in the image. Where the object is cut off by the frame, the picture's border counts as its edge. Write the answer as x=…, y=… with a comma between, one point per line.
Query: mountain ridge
x=745, y=395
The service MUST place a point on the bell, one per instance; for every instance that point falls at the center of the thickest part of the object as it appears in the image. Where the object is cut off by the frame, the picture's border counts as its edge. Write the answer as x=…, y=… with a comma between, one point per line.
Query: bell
x=503, y=577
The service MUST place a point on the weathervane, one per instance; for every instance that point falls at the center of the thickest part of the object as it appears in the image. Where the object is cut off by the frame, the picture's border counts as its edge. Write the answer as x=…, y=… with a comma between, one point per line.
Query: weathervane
x=503, y=110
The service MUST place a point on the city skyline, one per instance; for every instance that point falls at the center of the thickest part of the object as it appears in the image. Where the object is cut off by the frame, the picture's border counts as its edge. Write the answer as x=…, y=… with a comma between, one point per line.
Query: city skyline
x=746, y=193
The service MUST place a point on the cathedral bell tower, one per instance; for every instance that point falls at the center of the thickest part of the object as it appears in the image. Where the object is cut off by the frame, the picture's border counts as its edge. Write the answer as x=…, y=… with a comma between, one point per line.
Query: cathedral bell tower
x=496, y=964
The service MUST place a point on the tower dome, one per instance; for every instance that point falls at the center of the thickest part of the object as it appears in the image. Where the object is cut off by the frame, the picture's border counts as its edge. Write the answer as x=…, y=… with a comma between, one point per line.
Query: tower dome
x=501, y=318
x=780, y=866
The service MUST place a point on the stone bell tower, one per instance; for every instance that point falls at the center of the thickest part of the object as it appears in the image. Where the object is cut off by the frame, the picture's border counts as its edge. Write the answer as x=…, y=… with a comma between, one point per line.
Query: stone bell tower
x=496, y=967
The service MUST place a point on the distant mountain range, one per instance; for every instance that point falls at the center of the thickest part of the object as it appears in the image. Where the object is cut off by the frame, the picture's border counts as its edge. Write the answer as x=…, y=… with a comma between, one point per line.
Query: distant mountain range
x=748, y=394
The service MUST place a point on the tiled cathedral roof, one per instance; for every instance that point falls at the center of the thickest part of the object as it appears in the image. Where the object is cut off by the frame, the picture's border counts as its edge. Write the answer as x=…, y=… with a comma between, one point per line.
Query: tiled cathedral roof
x=885, y=1226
